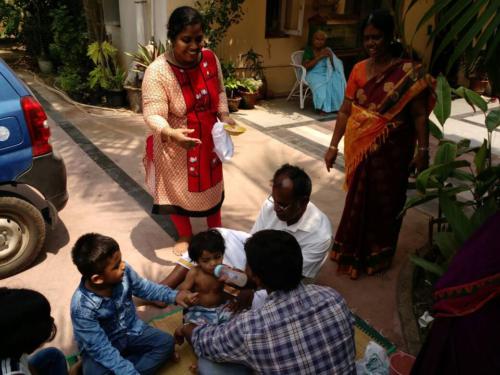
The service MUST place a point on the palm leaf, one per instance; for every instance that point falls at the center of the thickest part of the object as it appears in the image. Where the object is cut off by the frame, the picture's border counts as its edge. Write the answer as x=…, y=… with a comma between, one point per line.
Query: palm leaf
x=476, y=28
x=485, y=36
x=431, y=13
x=459, y=25
x=447, y=17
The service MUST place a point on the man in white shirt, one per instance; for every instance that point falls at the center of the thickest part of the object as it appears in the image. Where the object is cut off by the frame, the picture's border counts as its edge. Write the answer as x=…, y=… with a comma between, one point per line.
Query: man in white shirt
x=288, y=208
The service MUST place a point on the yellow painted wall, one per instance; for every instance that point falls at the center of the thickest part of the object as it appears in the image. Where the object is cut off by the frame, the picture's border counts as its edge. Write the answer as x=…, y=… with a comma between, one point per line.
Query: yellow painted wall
x=250, y=33
x=420, y=38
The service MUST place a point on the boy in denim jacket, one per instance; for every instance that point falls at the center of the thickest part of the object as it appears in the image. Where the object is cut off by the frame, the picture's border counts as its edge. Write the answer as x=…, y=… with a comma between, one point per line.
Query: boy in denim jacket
x=110, y=336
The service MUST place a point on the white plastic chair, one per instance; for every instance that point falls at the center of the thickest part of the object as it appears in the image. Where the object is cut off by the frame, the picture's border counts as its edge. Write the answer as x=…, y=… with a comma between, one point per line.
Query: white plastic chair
x=300, y=87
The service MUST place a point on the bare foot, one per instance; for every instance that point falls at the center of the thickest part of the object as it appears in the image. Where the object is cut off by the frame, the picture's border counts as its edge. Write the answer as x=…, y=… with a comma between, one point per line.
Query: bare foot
x=194, y=368
x=76, y=369
x=181, y=245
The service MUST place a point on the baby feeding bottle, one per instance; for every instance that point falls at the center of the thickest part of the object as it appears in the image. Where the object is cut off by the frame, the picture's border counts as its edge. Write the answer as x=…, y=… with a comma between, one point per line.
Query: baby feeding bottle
x=235, y=277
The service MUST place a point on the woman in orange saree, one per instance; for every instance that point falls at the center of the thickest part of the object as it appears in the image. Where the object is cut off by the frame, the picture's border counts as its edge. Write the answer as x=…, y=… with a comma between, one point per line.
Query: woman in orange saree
x=383, y=116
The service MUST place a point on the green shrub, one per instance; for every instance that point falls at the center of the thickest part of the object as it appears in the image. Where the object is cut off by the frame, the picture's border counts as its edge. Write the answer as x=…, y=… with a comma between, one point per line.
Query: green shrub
x=69, y=32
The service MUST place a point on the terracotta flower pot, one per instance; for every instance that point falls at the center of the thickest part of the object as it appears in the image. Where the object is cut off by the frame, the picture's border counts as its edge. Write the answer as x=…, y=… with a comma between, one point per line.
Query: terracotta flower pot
x=134, y=96
x=249, y=99
x=233, y=104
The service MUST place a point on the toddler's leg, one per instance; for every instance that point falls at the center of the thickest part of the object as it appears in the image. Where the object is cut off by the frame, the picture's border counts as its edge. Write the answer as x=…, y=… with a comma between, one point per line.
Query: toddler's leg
x=214, y=220
x=150, y=350
x=49, y=361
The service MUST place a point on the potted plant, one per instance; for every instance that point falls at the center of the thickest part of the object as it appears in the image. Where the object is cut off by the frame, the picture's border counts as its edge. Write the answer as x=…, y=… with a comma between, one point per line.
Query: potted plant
x=252, y=62
x=141, y=59
x=232, y=85
x=249, y=91
x=106, y=74
x=478, y=77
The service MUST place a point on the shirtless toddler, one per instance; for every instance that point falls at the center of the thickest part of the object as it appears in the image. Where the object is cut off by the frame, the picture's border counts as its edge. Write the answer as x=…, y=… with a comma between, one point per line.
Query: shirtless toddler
x=207, y=250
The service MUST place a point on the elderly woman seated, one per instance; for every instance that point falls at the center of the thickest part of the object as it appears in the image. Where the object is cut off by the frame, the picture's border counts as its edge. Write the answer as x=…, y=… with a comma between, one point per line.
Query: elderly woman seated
x=325, y=74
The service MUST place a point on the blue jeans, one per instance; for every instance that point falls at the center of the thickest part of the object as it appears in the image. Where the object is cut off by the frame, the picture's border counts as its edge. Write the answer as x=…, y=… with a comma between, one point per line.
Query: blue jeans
x=49, y=361
x=147, y=353
x=207, y=367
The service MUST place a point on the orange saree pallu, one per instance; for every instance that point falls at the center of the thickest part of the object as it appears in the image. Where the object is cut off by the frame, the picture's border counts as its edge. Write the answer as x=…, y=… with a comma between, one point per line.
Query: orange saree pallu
x=379, y=145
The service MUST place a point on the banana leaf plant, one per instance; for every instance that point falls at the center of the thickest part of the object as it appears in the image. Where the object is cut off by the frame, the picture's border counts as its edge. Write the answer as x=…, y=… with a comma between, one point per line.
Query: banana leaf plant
x=467, y=192
x=471, y=26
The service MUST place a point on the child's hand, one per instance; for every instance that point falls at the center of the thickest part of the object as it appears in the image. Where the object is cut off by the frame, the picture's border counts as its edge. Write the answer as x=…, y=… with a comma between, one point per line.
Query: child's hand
x=185, y=298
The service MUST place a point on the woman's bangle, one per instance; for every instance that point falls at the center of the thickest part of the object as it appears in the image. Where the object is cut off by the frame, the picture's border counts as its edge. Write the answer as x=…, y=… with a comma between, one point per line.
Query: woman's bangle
x=333, y=148
x=423, y=149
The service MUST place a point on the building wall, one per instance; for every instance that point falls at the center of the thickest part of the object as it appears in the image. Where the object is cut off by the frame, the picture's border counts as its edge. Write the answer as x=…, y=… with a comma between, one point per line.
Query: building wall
x=250, y=33
x=420, y=38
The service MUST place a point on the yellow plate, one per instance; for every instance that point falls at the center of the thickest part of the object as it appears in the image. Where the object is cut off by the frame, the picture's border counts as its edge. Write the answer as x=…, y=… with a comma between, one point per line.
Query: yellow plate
x=234, y=130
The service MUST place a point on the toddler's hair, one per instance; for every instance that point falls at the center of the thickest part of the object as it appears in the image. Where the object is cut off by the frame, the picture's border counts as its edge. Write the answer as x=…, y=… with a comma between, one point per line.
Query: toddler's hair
x=210, y=240
x=25, y=322
x=91, y=253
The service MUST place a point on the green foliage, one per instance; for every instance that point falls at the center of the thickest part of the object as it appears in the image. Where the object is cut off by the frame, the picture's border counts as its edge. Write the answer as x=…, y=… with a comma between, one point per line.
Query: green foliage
x=70, y=39
x=472, y=25
x=250, y=85
x=71, y=81
x=253, y=62
x=232, y=85
x=141, y=59
x=146, y=54
x=467, y=194
x=228, y=69
x=10, y=19
x=218, y=16
x=442, y=109
x=106, y=74
x=36, y=21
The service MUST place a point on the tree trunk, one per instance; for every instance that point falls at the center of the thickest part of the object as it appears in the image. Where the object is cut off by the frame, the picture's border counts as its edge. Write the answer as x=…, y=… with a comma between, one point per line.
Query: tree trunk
x=95, y=20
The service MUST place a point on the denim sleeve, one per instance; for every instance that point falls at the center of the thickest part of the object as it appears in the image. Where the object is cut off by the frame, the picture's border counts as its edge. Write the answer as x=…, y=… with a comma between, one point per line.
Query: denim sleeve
x=149, y=290
x=93, y=340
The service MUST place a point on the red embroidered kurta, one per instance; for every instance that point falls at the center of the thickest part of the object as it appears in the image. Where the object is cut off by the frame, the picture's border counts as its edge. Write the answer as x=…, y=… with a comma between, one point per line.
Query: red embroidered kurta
x=184, y=182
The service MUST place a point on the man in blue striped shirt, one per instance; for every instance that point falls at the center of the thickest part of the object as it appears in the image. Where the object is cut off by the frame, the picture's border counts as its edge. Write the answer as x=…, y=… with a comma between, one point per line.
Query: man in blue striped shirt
x=300, y=329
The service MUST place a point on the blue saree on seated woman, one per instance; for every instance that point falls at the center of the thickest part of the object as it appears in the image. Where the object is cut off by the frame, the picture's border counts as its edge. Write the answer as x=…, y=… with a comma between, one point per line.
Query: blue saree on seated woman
x=327, y=82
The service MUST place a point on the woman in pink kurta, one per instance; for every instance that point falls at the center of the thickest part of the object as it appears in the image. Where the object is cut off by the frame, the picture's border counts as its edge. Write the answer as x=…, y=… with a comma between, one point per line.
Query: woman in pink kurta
x=183, y=94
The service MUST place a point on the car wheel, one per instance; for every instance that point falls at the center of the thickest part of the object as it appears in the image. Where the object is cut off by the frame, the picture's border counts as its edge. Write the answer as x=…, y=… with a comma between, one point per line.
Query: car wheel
x=22, y=234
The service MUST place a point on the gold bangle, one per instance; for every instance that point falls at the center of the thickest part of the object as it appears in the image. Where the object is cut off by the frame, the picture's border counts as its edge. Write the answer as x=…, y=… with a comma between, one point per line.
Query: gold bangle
x=333, y=148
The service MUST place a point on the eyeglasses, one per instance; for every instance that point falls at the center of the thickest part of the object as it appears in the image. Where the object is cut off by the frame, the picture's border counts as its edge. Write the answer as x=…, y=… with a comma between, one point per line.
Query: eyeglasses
x=279, y=206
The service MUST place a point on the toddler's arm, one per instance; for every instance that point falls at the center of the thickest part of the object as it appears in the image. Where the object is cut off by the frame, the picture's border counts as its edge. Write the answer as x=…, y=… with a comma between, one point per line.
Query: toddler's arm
x=189, y=282
x=93, y=340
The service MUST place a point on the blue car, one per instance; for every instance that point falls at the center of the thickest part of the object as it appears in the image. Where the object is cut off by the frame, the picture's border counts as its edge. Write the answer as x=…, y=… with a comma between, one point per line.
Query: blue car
x=32, y=175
